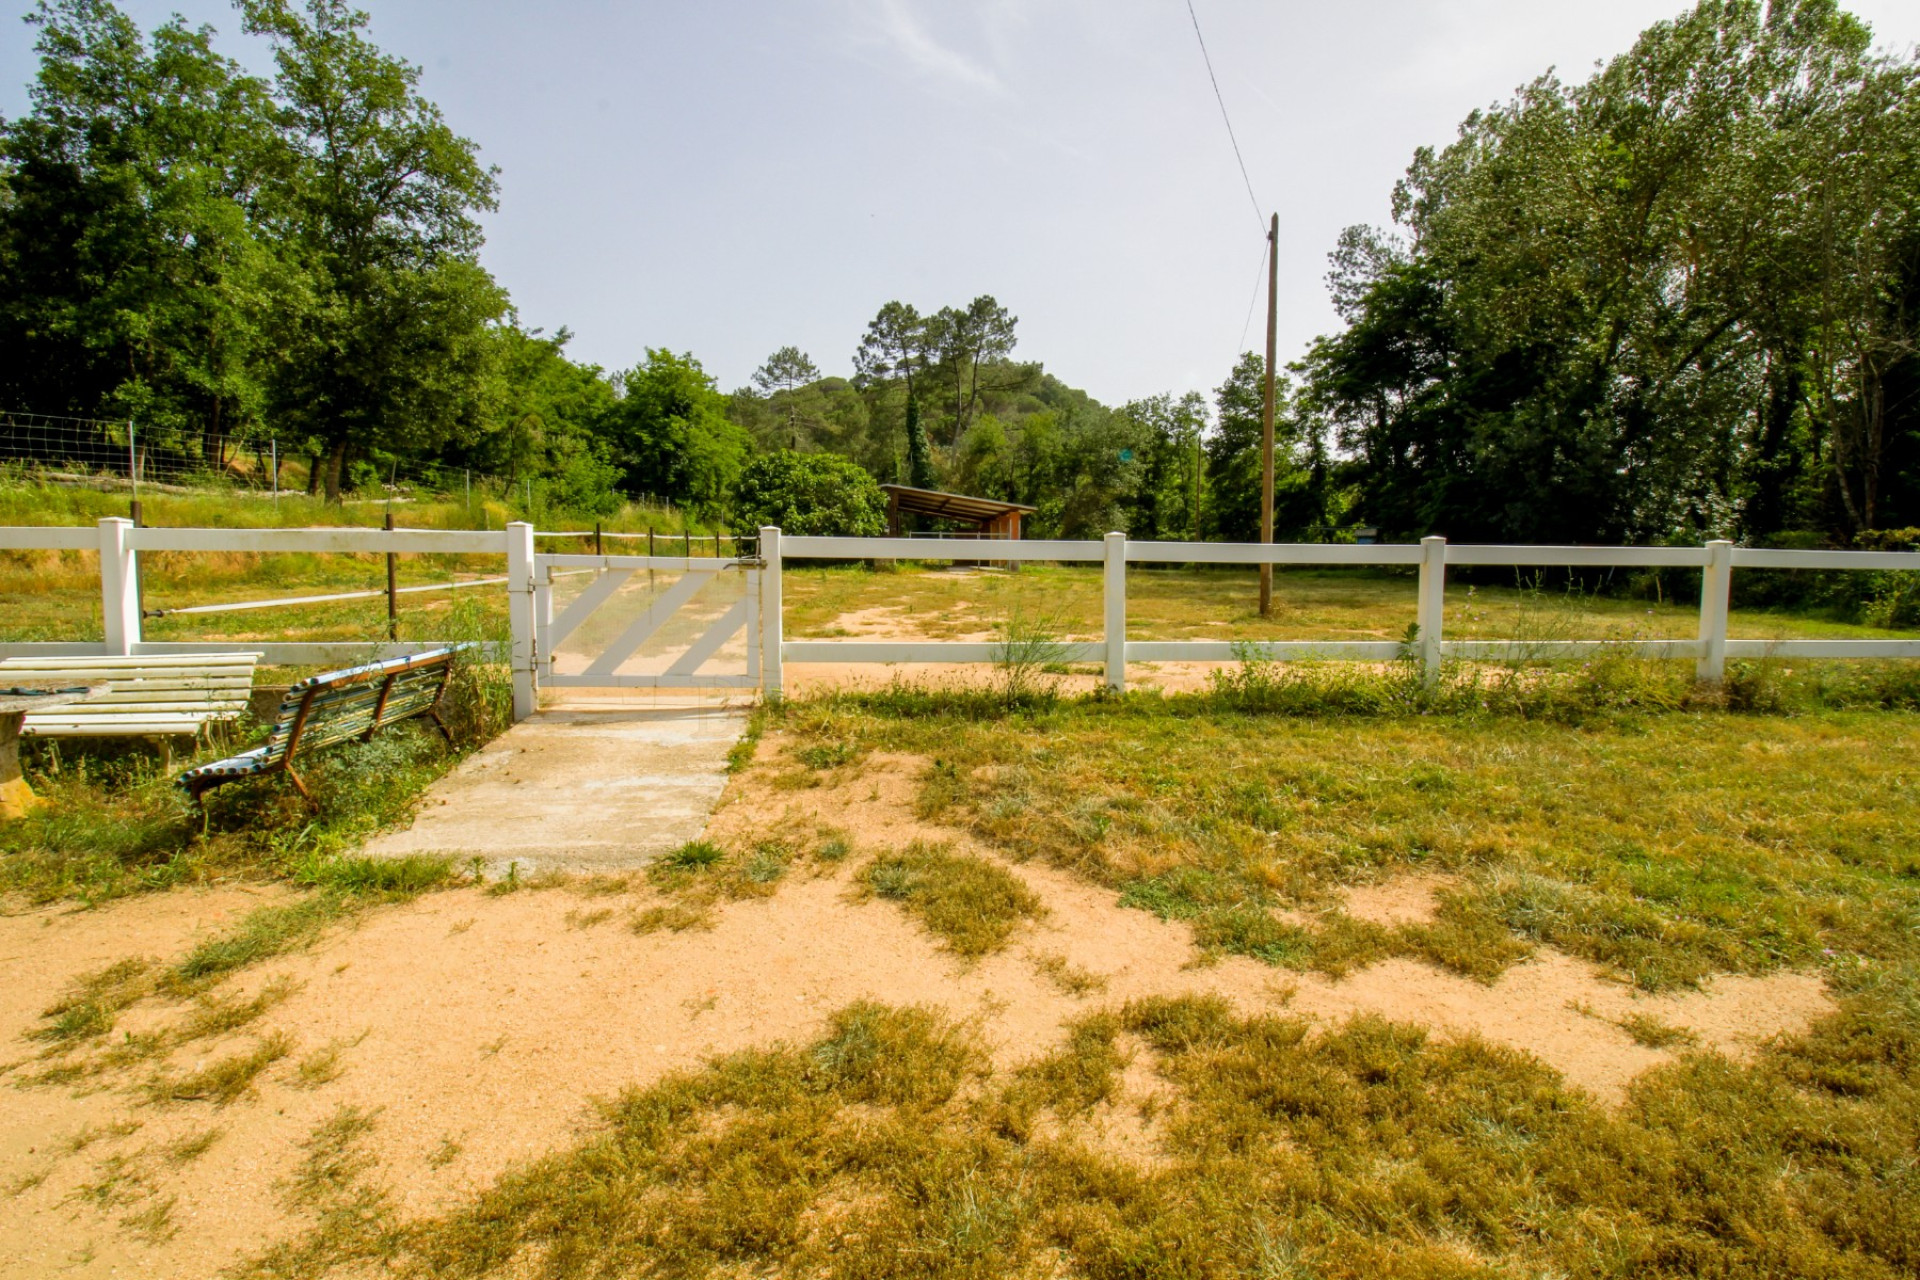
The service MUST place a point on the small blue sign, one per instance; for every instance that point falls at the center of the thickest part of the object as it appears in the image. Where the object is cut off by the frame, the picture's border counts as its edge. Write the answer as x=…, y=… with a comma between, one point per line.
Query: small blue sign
x=1126, y=455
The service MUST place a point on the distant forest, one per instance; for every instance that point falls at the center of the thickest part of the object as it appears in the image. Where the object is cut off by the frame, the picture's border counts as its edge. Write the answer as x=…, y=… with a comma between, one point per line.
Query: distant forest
x=1680, y=299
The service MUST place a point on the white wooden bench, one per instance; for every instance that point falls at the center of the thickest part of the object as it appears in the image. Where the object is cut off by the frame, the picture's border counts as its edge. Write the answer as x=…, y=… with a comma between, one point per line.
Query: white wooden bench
x=155, y=696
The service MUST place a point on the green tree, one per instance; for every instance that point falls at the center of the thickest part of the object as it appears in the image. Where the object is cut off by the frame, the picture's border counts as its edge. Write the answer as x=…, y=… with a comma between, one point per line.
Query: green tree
x=919, y=451
x=1653, y=305
x=671, y=434
x=132, y=276
x=970, y=351
x=545, y=420
x=809, y=494
x=1166, y=499
x=377, y=203
x=781, y=377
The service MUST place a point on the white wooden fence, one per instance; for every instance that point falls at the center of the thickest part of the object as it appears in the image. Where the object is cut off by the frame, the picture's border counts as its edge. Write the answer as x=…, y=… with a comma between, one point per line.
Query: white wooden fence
x=119, y=543
x=1709, y=649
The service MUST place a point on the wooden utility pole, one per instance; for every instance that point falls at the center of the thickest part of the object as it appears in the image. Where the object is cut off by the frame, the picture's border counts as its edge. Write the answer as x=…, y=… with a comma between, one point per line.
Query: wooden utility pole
x=1266, y=414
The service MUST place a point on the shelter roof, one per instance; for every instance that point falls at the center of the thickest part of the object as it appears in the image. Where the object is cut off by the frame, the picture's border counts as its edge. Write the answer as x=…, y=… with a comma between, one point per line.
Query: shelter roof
x=949, y=506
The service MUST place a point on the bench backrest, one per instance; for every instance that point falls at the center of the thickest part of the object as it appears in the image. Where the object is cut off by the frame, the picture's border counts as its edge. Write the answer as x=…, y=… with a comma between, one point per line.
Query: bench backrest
x=353, y=702
x=159, y=694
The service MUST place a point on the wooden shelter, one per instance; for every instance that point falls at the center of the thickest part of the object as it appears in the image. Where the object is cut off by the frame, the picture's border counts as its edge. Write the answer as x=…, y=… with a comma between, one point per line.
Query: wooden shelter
x=989, y=517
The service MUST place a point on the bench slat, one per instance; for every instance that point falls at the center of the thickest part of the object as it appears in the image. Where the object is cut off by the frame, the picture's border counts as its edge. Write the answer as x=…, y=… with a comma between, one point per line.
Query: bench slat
x=167, y=694
x=132, y=728
x=185, y=697
x=144, y=706
x=160, y=665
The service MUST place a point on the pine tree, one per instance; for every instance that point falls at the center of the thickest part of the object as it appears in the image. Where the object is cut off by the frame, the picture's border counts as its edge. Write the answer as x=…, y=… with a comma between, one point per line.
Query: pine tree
x=919, y=453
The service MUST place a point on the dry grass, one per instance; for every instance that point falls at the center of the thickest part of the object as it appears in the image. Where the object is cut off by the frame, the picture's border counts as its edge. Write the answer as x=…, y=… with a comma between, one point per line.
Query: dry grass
x=885, y=1147
x=1666, y=845
x=970, y=904
x=225, y=1080
x=696, y=877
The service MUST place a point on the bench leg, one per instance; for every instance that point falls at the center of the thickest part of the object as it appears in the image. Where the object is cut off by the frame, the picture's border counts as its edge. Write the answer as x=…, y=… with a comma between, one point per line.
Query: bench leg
x=199, y=797
x=301, y=787
x=16, y=797
x=434, y=712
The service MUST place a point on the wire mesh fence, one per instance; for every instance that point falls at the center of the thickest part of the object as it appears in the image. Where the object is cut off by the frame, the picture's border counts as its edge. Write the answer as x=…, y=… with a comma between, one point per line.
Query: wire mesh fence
x=56, y=449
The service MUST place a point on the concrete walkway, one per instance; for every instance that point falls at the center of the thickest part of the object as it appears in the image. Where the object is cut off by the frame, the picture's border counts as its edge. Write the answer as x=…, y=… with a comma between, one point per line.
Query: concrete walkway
x=578, y=790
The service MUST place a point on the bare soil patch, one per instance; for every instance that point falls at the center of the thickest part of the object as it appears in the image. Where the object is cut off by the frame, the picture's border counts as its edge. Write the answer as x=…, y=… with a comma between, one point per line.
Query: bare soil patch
x=477, y=1028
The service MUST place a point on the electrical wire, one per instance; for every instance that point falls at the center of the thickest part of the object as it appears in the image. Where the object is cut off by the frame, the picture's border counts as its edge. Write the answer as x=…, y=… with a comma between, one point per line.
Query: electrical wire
x=1254, y=299
x=1227, y=119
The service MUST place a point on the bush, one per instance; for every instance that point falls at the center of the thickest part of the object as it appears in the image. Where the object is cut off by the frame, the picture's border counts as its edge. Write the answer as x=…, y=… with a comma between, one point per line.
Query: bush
x=1881, y=598
x=817, y=494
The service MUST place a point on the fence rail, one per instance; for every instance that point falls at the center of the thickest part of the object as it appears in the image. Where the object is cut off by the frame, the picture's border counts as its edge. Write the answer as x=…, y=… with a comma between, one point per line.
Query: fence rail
x=1709, y=648
x=118, y=543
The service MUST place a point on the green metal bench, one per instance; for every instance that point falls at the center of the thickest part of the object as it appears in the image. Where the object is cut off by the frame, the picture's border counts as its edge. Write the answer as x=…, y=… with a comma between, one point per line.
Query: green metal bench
x=332, y=707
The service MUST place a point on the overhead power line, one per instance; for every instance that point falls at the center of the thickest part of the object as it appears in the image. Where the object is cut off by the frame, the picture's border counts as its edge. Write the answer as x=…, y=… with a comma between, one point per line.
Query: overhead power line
x=1259, y=270
x=1215, y=81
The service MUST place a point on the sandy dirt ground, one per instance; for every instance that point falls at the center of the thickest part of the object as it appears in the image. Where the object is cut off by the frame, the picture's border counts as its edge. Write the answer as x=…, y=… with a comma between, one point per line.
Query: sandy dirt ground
x=888, y=622
x=480, y=1028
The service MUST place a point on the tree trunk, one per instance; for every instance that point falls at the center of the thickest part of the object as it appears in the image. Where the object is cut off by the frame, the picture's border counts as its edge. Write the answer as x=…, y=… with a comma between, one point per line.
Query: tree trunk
x=1874, y=404
x=336, y=465
x=315, y=466
x=1777, y=469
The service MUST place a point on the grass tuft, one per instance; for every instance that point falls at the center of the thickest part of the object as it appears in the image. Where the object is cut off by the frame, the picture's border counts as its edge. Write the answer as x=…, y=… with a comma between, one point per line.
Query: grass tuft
x=1068, y=977
x=972, y=905
x=226, y=1080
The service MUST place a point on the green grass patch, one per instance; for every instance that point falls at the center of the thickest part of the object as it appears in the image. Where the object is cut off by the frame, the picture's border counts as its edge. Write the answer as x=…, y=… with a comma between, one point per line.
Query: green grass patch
x=1665, y=844
x=700, y=875
x=970, y=904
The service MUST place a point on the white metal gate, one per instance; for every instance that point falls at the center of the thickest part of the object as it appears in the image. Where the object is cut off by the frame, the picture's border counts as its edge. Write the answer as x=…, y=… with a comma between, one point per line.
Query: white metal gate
x=648, y=622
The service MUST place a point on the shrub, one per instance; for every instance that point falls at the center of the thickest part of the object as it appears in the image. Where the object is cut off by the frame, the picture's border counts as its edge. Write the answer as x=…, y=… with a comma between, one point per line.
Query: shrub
x=810, y=494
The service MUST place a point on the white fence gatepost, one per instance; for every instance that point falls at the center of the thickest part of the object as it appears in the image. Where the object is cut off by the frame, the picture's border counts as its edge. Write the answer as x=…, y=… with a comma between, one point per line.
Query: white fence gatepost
x=522, y=618
x=119, y=585
x=1116, y=600
x=1716, y=588
x=543, y=617
x=770, y=629
x=1433, y=603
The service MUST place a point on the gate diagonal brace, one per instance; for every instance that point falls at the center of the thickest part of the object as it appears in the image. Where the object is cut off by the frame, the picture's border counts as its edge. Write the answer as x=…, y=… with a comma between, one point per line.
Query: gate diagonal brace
x=659, y=610
x=598, y=592
x=706, y=646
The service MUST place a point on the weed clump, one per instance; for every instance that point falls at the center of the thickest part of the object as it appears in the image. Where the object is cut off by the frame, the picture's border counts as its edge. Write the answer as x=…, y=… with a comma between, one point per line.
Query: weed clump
x=225, y=1080
x=972, y=905
x=700, y=875
x=117, y=825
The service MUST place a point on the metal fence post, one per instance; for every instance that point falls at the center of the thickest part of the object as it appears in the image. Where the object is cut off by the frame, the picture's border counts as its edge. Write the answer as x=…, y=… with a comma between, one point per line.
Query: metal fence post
x=770, y=664
x=1116, y=600
x=119, y=585
x=521, y=616
x=1433, y=603
x=1716, y=587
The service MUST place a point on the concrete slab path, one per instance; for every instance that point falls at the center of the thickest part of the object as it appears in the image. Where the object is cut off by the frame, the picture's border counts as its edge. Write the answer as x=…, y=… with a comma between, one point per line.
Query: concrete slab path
x=578, y=790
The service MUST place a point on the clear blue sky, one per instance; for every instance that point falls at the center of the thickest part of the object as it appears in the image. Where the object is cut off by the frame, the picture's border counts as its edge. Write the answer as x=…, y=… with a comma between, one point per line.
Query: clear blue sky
x=731, y=176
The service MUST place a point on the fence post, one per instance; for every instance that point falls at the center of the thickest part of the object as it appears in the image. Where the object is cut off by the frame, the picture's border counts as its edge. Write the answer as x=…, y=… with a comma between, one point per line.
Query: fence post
x=119, y=585
x=1116, y=600
x=770, y=664
x=520, y=616
x=1716, y=586
x=1433, y=603
x=543, y=619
